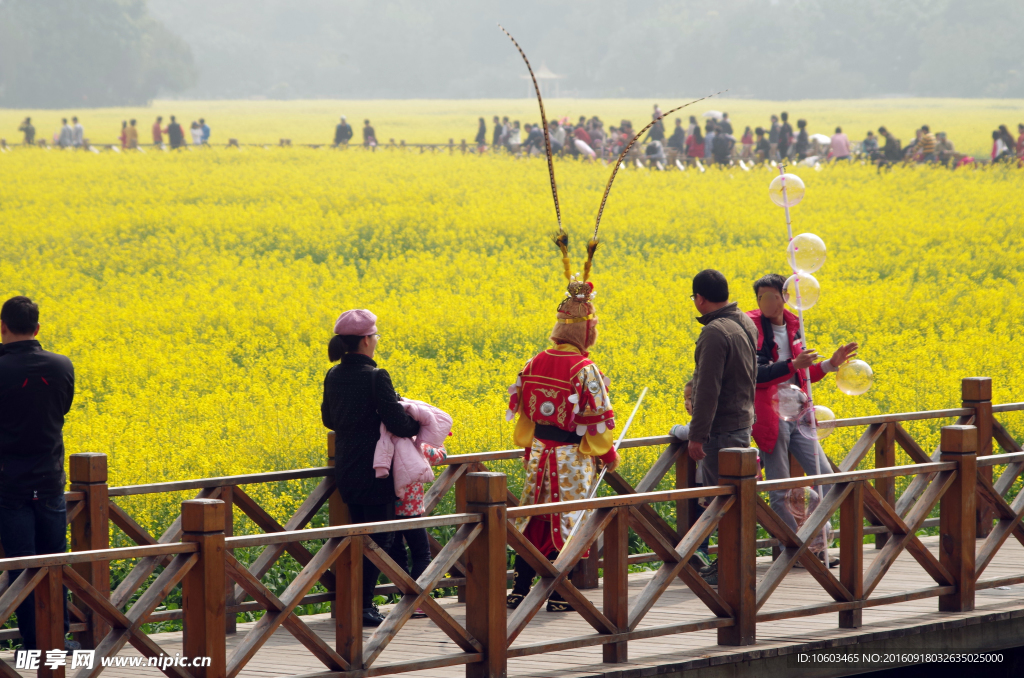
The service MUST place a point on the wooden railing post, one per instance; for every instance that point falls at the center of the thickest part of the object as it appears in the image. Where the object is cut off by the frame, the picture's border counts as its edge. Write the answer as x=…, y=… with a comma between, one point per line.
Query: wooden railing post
x=337, y=510
x=202, y=590
x=90, y=531
x=851, y=552
x=885, y=456
x=686, y=477
x=486, y=578
x=348, y=603
x=977, y=394
x=231, y=618
x=616, y=583
x=957, y=516
x=737, y=550
x=49, y=611
x=460, y=507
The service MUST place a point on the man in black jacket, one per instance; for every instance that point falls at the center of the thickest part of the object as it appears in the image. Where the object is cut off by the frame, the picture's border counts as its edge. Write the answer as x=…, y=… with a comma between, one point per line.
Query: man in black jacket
x=358, y=397
x=342, y=133
x=36, y=390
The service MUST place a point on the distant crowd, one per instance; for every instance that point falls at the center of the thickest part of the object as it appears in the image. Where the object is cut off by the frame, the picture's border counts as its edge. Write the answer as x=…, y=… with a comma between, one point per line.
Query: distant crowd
x=72, y=135
x=716, y=142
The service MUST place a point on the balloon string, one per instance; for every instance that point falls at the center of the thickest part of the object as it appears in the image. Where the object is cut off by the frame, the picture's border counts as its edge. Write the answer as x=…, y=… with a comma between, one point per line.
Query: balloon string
x=818, y=451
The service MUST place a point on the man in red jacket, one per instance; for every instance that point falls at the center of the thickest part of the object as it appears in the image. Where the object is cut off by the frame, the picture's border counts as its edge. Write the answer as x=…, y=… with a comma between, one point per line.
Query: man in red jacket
x=782, y=360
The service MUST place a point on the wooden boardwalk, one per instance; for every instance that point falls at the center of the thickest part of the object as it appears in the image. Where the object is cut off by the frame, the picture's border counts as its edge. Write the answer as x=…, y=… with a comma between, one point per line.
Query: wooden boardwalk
x=672, y=654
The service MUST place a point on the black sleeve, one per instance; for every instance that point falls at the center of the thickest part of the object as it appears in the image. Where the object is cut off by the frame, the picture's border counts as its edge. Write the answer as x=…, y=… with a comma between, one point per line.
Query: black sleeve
x=772, y=371
x=71, y=387
x=325, y=410
x=397, y=421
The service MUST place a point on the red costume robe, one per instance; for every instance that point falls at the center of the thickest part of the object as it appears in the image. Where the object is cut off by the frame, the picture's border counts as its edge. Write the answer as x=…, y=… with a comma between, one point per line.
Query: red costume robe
x=561, y=394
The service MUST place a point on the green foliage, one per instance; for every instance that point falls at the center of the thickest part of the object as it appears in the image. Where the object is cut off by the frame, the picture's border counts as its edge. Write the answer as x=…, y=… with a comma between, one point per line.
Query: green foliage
x=87, y=53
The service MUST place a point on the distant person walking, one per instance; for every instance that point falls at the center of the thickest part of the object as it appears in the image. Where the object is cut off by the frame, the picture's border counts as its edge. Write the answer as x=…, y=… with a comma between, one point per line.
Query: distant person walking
x=481, y=137
x=175, y=135
x=785, y=137
x=369, y=135
x=64, y=136
x=29, y=130
x=1000, y=151
x=773, y=139
x=725, y=124
x=926, y=145
x=869, y=146
x=123, y=137
x=802, y=140
x=840, y=145
x=695, y=144
x=206, y=130
x=158, y=131
x=496, y=133
x=196, y=132
x=891, y=152
x=77, y=133
x=133, y=135
x=748, y=144
x=678, y=139
x=342, y=133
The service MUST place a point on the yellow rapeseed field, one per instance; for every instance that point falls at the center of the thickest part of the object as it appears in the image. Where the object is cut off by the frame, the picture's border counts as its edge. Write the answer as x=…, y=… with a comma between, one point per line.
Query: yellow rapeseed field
x=196, y=291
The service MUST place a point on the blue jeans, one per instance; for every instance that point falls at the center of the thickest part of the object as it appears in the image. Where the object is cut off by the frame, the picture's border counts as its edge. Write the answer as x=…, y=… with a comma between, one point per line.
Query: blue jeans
x=31, y=527
x=808, y=454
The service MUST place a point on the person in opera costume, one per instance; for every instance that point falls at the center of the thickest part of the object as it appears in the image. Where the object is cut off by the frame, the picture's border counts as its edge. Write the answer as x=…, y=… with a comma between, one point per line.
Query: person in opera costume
x=565, y=423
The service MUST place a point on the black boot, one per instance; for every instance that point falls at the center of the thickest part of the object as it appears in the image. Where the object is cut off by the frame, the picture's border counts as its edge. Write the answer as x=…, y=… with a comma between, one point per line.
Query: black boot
x=521, y=583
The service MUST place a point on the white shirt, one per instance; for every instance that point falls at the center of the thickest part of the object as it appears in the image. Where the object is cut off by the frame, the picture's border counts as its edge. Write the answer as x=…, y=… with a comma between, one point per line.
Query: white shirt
x=782, y=342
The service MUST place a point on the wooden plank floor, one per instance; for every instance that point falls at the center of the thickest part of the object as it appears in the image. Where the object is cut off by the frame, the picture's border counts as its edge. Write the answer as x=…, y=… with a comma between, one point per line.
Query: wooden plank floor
x=420, y=639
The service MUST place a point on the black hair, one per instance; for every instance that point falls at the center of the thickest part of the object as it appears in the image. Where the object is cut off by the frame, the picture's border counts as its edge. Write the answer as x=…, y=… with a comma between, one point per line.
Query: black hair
x=759, y=131
x=341, y=344
x=925, y=129
x=20, y=314
x=133, y=121
x=711, y=285
x=882, y=130
x=801, y=123
x=839, y=130
x=785, y=116
x=773, y=280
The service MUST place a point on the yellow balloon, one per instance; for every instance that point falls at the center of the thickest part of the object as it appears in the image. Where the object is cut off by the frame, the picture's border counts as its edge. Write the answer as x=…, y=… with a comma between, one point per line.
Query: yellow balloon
x=855, y=377
x=816, y=423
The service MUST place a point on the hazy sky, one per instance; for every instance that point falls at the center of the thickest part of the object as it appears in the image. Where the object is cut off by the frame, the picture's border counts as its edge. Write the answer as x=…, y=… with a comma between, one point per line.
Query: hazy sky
x=776, y=49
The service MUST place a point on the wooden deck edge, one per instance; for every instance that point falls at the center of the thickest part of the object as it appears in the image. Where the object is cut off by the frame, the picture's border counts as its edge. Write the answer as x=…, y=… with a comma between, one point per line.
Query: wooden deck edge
x=779, y=662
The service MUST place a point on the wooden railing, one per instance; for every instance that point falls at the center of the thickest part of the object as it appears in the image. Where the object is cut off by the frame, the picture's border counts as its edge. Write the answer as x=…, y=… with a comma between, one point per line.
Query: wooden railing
x=197, y=550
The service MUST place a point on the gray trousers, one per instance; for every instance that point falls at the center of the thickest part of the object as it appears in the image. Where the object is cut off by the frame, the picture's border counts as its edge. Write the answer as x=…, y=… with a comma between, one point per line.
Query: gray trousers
x=776, y=465
x=720, y=441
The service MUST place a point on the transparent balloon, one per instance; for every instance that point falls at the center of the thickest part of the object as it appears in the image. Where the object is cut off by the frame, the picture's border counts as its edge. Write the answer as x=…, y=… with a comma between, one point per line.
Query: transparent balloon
x=810, y=290
x=806, y=253
x=855, y=377
x=789, y=401
x=816, y=423
x=801, y=502
x=794, y=190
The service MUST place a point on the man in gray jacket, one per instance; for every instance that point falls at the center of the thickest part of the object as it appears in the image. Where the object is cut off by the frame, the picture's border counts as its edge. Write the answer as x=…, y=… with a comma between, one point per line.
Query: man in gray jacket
x=725, y=371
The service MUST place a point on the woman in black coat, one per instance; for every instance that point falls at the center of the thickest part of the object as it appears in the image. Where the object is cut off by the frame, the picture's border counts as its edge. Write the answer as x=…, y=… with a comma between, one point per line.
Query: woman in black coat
x=358, y=397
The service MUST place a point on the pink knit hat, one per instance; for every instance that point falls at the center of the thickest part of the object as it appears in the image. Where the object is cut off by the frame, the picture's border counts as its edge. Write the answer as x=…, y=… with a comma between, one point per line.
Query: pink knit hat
x=357, y=322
